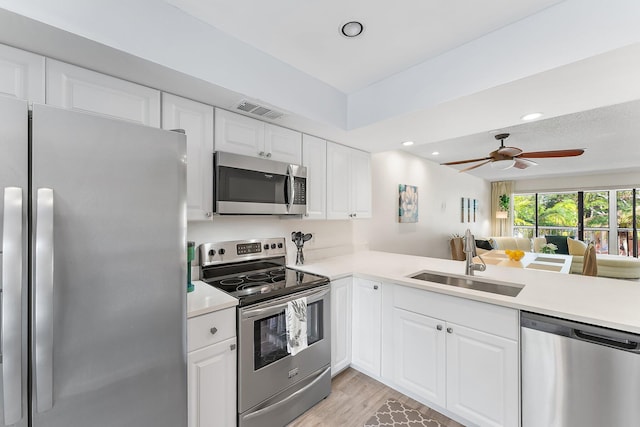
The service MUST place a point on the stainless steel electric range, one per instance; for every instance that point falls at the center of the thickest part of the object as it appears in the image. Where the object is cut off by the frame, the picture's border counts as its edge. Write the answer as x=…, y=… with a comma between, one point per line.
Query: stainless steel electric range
x=274, y=387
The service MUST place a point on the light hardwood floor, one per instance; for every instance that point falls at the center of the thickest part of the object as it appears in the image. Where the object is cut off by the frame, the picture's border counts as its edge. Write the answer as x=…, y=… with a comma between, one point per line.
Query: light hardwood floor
x=354, y=398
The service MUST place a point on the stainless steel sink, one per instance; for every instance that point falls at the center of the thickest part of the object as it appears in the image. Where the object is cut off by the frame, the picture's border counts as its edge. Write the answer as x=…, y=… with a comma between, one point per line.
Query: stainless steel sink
x=501, y=288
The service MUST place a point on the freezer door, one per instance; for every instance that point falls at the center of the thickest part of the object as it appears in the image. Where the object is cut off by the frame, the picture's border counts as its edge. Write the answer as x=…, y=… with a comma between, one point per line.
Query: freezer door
x=109, y=209
x=13, y=261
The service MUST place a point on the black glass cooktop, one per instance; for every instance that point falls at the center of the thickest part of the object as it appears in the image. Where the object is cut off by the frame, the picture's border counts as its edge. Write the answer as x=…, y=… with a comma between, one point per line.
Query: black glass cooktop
x=260, y=284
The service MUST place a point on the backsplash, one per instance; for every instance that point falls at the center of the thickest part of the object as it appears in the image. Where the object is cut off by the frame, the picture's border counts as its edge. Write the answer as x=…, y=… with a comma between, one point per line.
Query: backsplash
x=330, y=238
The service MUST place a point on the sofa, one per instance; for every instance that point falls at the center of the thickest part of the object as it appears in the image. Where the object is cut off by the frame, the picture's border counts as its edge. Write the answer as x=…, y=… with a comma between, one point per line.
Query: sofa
x=615, y=266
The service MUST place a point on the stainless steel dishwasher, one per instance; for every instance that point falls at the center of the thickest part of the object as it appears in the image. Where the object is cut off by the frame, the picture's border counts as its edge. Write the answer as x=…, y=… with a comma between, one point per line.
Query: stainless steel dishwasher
x=578, y=375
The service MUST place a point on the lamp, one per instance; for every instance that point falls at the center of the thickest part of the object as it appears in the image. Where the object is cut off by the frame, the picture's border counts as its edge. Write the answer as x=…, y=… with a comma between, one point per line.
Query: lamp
x=502, y=215
x=503, y=164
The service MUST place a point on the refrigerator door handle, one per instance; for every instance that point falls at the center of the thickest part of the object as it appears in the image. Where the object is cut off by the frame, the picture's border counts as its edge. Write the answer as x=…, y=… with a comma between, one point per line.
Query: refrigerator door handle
x=12, y=264
x=44, y=299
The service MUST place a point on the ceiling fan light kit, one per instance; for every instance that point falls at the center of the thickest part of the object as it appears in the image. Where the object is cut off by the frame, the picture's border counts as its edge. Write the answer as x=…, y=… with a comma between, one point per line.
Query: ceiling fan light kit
x=508, y=157
x=503, y=164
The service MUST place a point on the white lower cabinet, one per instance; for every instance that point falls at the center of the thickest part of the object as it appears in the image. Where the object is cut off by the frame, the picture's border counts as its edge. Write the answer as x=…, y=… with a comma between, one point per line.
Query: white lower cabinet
x=419, y=355
x=367, y=322
x=482, y=376
x=211, y=361
x=453, y=353
x=340, y=324
x=212, y=385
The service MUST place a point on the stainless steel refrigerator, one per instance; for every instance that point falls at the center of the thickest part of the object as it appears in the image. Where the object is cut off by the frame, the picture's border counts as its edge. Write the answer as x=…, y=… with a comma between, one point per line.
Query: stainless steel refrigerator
x=93, y=231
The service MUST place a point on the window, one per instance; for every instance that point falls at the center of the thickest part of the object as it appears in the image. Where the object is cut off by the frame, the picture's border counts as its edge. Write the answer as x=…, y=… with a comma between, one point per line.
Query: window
x=608, y=218
x=524, y=215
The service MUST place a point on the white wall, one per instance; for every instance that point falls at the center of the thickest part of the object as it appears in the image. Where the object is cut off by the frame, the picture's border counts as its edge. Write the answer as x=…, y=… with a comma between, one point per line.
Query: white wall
x=439, y=192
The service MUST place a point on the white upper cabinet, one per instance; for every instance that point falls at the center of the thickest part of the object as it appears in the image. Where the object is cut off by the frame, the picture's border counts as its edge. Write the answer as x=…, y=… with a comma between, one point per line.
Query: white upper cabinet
x=80, y=89
x=239, y=134
x=314, y=157
x=282, y=144
x=348, y=182
x=21, y=74
x=197, y=121
x=360, y=184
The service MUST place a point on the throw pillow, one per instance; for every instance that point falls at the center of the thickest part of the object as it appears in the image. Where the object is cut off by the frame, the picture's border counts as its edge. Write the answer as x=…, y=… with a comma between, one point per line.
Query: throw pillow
x=576, y=247
x=560, y=242
x=483, y=244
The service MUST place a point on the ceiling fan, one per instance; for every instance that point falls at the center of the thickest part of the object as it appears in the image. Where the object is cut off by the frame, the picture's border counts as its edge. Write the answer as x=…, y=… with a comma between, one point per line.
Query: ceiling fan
x=507, y=157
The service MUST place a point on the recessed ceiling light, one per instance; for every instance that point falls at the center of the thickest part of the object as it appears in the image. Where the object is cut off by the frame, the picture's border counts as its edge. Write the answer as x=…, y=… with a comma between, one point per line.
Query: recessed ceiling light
x=407, y=143
x=435, y=153
x=352, y=29
x=531, y=116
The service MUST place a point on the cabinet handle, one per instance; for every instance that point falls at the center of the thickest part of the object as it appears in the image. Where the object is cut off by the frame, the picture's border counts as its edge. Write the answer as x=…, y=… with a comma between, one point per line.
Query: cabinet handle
x=450, y=330
x=213, y=330
x=375, y=287
x=232, y=347
x=355, y=215
x=439, y=327
x=261, y=154
x=209, y=214
x=268, y=155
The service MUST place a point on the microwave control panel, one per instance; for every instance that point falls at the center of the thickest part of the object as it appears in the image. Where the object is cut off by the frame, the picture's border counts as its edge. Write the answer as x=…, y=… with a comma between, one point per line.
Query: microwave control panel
x=300, y=196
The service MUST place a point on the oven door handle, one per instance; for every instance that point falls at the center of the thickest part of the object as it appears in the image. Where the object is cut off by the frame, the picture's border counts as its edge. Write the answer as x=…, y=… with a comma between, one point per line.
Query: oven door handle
x=271, y=309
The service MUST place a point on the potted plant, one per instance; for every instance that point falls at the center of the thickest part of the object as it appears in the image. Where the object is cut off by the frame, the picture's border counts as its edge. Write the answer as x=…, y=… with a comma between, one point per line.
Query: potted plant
x=503, y=203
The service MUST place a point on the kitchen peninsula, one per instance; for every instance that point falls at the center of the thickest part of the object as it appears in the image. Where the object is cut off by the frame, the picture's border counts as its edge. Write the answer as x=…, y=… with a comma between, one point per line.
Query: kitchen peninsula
x=428, y=340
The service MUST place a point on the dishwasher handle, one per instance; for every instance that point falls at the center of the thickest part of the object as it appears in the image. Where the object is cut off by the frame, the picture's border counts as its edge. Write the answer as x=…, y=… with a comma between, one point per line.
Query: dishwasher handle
x=620, y=340
x=621, y=344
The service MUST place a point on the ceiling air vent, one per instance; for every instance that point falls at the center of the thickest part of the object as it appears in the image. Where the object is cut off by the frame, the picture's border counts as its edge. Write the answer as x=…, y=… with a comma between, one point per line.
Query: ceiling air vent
x=259, y=110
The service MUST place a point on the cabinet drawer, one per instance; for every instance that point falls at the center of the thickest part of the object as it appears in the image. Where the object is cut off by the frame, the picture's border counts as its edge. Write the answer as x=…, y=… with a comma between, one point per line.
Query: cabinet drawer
x=211, y=328
x=501, y=321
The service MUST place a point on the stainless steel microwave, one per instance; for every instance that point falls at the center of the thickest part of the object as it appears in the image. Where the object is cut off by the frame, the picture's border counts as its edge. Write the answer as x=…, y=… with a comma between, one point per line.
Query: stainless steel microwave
x=244, y=185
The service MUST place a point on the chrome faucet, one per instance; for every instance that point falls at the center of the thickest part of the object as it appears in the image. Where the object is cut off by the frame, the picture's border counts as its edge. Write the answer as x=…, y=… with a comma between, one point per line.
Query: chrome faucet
x=469, y=249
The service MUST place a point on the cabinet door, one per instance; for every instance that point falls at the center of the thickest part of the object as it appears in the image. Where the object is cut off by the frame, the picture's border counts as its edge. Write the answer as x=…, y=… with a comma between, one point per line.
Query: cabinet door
x=282, y=144
x=238, y=134
x=482, y=377
x=314, y=157
x=212, y=385
x=360, y=184
x=419, y=345
x=366, y=326
x=197, y=121
x=340, y=324
x=80, y=89
x=21, y=74
x=338, y=181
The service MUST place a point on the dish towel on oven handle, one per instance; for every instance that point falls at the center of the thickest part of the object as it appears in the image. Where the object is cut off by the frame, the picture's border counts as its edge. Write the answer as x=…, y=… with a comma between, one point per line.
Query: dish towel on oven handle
x=296, y=325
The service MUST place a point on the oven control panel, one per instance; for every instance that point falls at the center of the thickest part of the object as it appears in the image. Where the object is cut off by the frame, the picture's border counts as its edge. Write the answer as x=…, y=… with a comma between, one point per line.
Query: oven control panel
x=240, y=250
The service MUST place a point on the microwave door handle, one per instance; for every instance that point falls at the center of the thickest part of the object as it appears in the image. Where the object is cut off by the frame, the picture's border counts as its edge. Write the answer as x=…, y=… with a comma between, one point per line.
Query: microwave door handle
x=291, y=190
x=12, y=264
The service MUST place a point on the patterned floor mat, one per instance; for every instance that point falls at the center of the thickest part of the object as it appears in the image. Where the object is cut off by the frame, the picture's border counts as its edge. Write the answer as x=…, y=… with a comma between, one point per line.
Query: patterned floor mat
x=394, y=413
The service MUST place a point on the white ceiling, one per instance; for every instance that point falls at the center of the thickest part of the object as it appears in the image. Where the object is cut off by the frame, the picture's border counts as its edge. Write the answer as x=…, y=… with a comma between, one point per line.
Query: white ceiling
x=307, y=36
x=462, y=68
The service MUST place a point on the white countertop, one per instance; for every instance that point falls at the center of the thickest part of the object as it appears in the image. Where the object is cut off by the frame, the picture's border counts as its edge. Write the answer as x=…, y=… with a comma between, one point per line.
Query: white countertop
x=607, y=302
x=206, y=299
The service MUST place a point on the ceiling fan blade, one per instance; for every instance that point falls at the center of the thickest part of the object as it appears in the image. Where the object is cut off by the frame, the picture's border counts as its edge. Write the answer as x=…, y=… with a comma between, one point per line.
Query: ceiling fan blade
x=459, y=162
x=509, y=151
x=474, y=166
x=553, y=153
x=523, y=163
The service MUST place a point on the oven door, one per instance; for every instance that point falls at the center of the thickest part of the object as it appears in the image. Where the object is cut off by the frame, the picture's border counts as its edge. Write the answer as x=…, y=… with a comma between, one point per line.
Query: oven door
x=264, y=366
